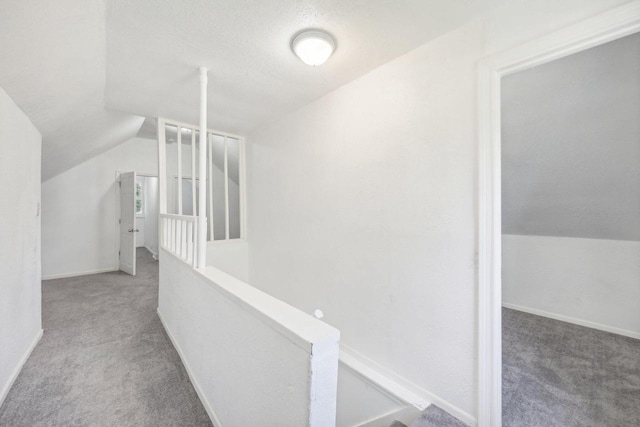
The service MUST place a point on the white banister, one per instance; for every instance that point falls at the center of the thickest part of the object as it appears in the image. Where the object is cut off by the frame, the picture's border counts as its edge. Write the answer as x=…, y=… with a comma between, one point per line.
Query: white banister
x=202, y=173
x=179, y=236
x=248, y=330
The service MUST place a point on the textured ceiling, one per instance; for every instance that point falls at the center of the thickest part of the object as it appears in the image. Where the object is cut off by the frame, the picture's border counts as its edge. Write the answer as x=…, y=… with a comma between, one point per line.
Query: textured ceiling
x=88, y=71
x=571, y=145
x=53, y=67
x=155, y=47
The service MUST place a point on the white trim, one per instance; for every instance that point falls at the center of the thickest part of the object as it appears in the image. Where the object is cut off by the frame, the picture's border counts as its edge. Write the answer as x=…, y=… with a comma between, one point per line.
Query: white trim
x=226, y=187
x=396, y=386
x=155, y=254
x=573, y=320
x=225, y=242
x=201, y=229
x=179, y=139
x=193, y=173
x=616, y=23
x=79, y=273
x=405, y=415
x=174, y=123
x=209, y=184
x=18, y=368
x=207, y=406
x=243, y=187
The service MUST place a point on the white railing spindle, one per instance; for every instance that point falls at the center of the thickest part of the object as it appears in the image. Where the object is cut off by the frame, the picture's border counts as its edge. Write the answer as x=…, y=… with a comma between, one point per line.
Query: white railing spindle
x=180, y=236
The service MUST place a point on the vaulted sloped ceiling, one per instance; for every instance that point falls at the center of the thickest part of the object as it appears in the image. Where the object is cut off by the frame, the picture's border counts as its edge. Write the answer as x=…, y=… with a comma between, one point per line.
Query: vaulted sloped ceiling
x=87, y=72
x=571, y=145
x=53, y=67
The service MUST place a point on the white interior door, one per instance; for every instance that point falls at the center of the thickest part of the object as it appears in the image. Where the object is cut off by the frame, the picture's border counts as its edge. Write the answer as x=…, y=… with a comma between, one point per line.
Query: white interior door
x=128, y=222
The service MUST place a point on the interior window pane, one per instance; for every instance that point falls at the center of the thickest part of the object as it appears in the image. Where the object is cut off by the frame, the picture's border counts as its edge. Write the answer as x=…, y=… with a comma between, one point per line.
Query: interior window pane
x=233, y=172
x=172, y=168
x=217, y=185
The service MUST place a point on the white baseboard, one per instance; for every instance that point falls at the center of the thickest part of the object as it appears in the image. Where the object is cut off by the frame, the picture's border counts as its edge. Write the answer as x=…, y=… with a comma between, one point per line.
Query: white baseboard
x=78, y=273
x=207, y=406
x=397, y=386
x=18, y=368
x=575, y=321
x=155, y=254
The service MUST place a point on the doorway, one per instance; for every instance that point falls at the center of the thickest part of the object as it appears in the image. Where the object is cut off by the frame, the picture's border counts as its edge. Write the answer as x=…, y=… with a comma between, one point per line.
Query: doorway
x=615, y=24
x=138, y=217
x=571, y=239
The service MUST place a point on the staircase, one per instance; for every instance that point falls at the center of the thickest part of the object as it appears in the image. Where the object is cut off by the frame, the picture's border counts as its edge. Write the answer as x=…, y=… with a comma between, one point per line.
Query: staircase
x=432, y=417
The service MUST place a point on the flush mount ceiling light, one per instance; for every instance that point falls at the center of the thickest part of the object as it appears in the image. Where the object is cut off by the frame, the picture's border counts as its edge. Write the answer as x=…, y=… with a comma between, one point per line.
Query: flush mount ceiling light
x=313, y=47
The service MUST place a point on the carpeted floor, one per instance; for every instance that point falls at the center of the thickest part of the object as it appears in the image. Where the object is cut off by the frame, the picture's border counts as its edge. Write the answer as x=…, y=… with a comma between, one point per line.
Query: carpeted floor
x=564, y=375
x=104, y=359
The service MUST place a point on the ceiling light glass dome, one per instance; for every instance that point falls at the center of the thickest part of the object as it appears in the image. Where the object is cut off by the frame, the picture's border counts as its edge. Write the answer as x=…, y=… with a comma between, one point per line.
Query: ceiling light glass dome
x=313, y=47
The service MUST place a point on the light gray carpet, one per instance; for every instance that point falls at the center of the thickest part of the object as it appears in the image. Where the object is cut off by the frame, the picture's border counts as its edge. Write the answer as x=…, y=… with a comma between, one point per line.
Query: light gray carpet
x=436, y=417
x=564, y=375
x=104, y=359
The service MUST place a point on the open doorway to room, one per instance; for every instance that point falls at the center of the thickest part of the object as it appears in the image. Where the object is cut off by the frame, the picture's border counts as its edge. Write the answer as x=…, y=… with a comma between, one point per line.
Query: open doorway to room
x=571, y=239
x=147, y=213
x=138, y=217
x=559, y=228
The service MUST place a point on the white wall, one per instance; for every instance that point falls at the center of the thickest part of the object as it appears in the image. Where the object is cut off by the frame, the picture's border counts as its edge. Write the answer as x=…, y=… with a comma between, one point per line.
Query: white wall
x=254, y=360
x=359, y=401
x=231, y=256
x=593, y=282
x=363, y=202
x=151, y=214
x=20, y=297
x=80, y=210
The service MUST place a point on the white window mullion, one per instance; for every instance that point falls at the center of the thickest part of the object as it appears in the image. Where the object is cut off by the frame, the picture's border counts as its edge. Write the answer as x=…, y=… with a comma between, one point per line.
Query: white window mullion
x=179, y=139
x=226, y=192
x=211, y=220
x=193, y=172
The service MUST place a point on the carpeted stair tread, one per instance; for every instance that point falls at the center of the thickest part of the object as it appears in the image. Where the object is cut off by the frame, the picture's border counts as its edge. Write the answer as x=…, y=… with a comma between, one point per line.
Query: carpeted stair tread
x=436, y=417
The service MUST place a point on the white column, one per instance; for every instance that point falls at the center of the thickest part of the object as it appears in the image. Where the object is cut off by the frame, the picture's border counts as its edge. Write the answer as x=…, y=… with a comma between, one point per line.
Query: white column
x=162, y=185
x=162, y=169
x=202, y=172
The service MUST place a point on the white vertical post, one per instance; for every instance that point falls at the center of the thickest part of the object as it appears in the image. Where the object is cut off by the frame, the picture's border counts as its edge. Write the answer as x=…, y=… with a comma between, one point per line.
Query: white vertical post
x=210, y=175
x=226, y=191
x=179, y=138
x=190, y=242
x=202, y=196
x=243, y=190
x=193, y=172
x=162, y=179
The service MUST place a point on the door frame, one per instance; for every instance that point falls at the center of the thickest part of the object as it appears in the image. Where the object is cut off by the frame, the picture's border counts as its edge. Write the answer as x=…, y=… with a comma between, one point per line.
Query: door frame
x=116, y=213
x=608, y=26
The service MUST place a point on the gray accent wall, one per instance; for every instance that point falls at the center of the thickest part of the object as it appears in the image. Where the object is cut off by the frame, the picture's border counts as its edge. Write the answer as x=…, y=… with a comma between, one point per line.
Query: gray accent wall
x=571, y=145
